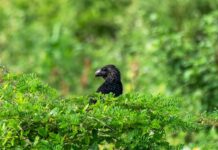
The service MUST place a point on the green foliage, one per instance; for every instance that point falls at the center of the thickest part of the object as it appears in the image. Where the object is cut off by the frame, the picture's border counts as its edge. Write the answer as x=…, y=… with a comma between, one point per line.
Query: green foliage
x=170, y=48
x=206, y=139
x=161, y=47
x=191, y=60
x=34, y=116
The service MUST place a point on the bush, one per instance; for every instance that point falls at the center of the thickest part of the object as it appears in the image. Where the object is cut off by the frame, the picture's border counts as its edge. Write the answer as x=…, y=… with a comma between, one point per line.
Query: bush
x=167, y=47
x=34, y=116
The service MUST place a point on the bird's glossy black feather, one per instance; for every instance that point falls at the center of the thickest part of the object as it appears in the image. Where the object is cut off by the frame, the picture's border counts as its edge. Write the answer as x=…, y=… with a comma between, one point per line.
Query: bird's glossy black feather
x=111, y=87
x=112, y=83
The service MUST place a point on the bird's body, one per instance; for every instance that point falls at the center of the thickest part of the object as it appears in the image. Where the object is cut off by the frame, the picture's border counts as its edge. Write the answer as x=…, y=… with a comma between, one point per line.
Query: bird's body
x=111, y=87
x=112, y=83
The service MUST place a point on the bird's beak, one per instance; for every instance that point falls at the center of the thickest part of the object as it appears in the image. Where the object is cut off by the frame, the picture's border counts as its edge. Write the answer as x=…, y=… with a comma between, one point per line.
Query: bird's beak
x=98, y=73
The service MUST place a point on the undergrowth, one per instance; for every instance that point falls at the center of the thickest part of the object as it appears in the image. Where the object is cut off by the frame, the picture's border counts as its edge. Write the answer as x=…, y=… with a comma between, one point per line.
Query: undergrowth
x=34, y=116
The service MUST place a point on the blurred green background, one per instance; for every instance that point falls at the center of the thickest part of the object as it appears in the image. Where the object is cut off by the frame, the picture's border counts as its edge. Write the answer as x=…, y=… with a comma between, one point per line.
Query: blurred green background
x=168, y=47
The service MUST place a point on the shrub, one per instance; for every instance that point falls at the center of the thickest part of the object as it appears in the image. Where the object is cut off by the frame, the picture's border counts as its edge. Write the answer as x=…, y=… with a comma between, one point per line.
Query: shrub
x=34, y=116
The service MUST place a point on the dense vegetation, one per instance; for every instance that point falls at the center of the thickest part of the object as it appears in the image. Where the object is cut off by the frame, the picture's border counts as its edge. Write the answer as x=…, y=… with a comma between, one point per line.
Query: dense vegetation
x=33, y=116
x=161, y=47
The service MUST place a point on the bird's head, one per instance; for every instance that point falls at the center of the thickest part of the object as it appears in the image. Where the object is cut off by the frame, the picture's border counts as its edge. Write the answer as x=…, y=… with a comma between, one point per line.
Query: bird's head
x=109, y=73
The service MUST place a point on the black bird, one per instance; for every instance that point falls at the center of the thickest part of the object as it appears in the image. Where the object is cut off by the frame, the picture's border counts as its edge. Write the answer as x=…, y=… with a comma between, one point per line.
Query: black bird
x=112, y=83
